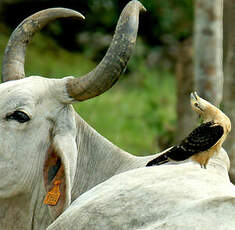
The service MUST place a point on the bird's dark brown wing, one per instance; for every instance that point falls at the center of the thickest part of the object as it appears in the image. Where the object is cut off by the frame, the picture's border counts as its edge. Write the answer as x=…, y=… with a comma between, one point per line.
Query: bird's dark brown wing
x=200, y=139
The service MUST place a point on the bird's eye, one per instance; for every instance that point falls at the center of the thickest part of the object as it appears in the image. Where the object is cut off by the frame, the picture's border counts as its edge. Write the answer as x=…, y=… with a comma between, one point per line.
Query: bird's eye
x=19, y=116
x=196, y=104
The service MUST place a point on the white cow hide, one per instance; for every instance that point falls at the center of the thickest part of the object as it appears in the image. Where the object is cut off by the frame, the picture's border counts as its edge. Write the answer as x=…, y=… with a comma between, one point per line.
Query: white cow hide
x=169, y=197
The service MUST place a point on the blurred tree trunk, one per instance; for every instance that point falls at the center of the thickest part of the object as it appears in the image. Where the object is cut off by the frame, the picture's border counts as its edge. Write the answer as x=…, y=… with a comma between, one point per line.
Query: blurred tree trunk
x=229, y=80
x=208, y=49
x=185, y=85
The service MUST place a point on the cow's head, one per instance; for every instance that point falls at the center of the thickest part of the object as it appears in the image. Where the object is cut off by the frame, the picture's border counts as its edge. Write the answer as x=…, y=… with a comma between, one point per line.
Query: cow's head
x=38, y=143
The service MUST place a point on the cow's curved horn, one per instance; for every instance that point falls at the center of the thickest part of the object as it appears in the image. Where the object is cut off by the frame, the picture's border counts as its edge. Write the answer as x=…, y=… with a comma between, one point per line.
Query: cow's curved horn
x=108, y=71
x=14, y=57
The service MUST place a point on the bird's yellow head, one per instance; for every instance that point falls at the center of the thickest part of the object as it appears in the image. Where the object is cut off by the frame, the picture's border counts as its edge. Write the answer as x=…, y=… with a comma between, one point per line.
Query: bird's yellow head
x=207, y=111
x=198, y=104
x=203, y=108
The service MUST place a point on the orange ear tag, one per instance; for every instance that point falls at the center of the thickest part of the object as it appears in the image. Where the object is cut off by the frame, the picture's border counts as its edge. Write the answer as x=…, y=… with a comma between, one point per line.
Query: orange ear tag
x=53, y=196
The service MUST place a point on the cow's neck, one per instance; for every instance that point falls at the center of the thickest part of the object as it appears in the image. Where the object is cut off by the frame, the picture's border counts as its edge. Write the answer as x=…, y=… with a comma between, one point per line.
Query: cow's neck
x=99, y=159
x=25, y=211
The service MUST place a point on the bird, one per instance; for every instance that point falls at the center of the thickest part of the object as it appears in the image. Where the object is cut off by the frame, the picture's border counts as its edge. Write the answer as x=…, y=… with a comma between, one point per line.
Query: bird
x=204, y=141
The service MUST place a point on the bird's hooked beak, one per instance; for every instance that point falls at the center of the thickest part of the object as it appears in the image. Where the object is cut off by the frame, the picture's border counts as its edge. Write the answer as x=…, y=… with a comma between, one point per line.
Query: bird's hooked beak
x=194, y=96
x=196, y=102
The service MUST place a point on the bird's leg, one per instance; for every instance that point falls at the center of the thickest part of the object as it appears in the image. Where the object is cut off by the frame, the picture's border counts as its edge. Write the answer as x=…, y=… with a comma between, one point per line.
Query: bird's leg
x=203, y=165
x=206, y=162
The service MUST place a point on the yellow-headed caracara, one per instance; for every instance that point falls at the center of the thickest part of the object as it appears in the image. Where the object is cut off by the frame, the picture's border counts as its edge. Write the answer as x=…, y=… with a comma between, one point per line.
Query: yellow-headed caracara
x=203, y=142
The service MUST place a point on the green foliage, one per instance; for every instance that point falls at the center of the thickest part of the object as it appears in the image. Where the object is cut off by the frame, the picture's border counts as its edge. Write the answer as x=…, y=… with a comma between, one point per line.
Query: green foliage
x=4, y=36
x=174, y=17
x=135, y=113
x=49, y=60
x=164, y=18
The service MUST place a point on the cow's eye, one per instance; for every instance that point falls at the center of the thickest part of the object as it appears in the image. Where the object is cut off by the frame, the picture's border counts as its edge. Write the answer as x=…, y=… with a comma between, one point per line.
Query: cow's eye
x=19, y=116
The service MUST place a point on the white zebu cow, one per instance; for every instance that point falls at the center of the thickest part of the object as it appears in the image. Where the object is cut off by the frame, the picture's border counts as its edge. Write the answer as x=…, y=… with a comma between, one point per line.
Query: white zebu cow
x=43, y=140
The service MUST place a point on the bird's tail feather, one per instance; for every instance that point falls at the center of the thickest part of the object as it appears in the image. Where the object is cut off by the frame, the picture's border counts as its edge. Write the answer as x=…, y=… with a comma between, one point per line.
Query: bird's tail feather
x=158, y=160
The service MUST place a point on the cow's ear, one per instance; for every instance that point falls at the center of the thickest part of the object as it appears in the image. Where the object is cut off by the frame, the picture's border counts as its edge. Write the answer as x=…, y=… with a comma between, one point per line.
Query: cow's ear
x=59, y=171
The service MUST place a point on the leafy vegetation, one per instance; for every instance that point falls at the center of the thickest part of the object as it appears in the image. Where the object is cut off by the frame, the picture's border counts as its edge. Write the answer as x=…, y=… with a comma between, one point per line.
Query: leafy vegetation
x=134, y=115
x=168, y=20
